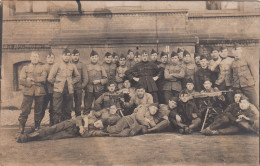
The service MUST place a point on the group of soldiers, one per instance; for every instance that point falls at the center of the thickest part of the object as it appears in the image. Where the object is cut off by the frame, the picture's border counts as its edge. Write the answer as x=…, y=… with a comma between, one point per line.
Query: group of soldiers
x=138, y=93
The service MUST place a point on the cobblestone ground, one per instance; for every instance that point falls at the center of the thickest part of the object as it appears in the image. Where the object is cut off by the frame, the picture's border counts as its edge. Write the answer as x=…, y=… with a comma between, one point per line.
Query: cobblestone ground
x=149, y=149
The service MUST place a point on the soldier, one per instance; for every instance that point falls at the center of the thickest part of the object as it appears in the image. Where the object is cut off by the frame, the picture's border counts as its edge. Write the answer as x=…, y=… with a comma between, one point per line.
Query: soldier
x=137, y=57
x=180, y=55
x=82, y=69
x=48, y=98
x=63, y=75
x=214, y=64
x=97, y=78
x=244, y=76
x=189, y=67
x=161, y=80
x=202, y=74
x=140, y=98
x=190, y=90
x=109, y=98
x=115, y=59
x=211, y=104
x=32, y=78
x=173, y=74
x=187, y=118
x=224, y=80
x=154, y=57
x=145, y=73
x=110, y=67
x=120, y=71
x=130, y=59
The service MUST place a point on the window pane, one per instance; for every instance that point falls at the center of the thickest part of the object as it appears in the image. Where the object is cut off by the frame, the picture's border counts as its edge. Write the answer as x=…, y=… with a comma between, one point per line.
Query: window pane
x=40, y=6
x=22, y=6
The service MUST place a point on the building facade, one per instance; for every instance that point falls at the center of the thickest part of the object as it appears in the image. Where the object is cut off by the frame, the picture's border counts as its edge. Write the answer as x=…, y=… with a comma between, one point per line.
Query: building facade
x=117, y=26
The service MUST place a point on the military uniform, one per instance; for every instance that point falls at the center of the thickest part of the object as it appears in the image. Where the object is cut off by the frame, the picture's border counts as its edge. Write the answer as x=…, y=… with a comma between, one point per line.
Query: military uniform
x=161, y=82
x=110, y=69
x=145, y=71
x=32, y=90
x=95, y=72
x=48, y=98
x=106, y=100
x=63, y=76
x=200, y=76
x=147, y=99
x=120, y=74
x=244, y=79
x=82, y=69
x=130, y=63
x=173, y=74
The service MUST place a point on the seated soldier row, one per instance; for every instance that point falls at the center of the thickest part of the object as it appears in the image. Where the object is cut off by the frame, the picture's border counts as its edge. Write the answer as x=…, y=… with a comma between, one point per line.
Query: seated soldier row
x=67, y=79
x=181, y=114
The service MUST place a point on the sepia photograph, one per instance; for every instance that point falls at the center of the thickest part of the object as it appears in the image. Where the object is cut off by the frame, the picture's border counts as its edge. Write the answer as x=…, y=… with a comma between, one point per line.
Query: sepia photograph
x=167, y=83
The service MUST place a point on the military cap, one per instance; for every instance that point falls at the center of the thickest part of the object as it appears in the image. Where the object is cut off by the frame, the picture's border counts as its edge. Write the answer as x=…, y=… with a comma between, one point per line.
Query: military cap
x=122, y=56
x=137, y=54
x=50, y=53
x=144, y=52
x=214, y=49
x=236, y=45
x=140, y=86
x=174, y=99
x=189, y=80
x=93, y=53
x=179, y=50
x=163, y=54
x=185, y=53
x=111, y=82
x=66, y=51
x=174, y=54
x=114, y=54
x=75, y=51
x=129, y=51
x=207, y=80
x=222, y=48
x=108, y=54
x=153, y=51
x=203, y=57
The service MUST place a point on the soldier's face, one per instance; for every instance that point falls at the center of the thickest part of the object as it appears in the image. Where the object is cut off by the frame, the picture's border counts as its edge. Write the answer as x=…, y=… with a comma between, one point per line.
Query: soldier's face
x=205, y=52
x=238, y=52
x=34, y=58
x=98, y=124
x=66, y=57
x=184, y=98
x=244, y=104
x=172, y=104
x=112, y=109
x=224, y=53
x=122, y=61
x=111, y=87
x=180, y=55
x=140, y=93
x=137, y=59
x=75, y=57
x=108, y=59
x=144, y=57
x=197, y=59
x=237, y=98
x=153, y=110
x=131, y=55
x=175, y=59
x=50, y=59
x=215, y=54
x=94, y=59
x=115, y=59
x=127, y=84
x=187, y=58
x=154, y=57
x=207, y=85
x=190, y=86
x=204, y=63
x=164, y=59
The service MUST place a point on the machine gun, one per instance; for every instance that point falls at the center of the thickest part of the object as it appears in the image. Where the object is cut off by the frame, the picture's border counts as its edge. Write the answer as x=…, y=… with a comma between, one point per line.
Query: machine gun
x=207, y=94
x=117, y=96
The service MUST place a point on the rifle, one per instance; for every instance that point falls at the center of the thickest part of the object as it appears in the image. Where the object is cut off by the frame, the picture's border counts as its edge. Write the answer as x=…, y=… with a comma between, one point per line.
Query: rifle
x=208, y=94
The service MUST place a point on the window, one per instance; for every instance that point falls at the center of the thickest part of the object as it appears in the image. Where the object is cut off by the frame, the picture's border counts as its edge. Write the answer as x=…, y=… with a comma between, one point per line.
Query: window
x=221, y=5
x=31, y=6
x=17, y=71
x=213, y=5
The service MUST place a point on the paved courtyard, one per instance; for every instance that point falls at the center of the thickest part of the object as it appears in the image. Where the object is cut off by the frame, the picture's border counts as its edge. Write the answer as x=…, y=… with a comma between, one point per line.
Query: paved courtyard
x=149, y=149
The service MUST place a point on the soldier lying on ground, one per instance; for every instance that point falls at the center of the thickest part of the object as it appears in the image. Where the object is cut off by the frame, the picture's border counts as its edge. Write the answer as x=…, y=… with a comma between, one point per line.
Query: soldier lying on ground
x=85, y=126
x=240, y=115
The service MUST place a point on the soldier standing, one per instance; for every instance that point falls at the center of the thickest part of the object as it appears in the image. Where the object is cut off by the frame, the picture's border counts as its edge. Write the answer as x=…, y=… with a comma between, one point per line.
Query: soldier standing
x=154, y=57
x=146, y=74
x=120, y=71
x=180, y=55
x=130, y=59
x=161, y=80
x=97, y=78
x=63, y=75
x=48, y=98
x=33, y=77
x=109, y=66
x=189, y=67
x=82, y=69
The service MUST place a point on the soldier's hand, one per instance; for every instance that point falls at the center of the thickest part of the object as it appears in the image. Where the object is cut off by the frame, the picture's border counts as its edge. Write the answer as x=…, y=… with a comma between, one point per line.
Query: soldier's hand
x=81, y=130
x=136, y=79
x=96, y=82
x=155, y=78
x=178, y=118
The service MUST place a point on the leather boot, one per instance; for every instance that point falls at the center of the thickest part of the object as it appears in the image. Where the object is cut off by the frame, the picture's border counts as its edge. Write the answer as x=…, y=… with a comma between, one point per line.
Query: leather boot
x=37, y=124
x=21, y=128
